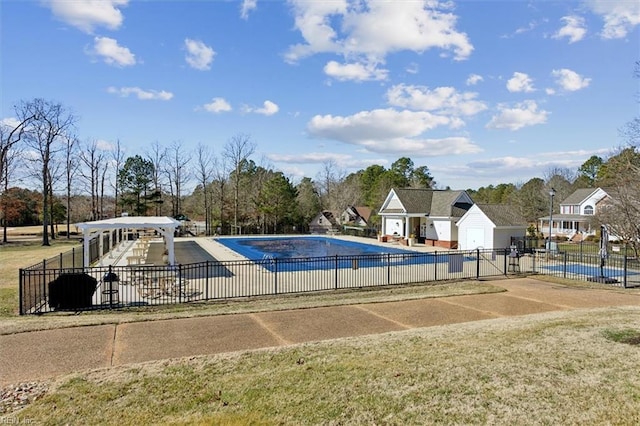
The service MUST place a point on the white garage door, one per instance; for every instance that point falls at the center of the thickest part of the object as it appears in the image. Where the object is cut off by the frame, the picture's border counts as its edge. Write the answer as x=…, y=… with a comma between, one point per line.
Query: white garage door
x=475, y=238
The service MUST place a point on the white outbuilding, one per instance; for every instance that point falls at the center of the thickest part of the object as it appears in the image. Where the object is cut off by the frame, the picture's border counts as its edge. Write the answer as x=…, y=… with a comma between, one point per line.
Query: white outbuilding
x=490, y=226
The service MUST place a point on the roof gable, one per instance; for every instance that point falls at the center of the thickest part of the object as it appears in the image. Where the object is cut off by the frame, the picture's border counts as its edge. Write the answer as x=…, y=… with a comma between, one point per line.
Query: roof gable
x=579, y=196
x=430, y=202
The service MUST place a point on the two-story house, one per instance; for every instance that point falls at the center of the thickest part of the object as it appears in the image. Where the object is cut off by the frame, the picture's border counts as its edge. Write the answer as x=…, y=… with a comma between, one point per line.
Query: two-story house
x=577, y=211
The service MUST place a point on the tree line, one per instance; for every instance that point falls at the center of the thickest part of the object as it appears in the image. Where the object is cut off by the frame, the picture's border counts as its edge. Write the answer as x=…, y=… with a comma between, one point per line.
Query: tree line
x=86, y=180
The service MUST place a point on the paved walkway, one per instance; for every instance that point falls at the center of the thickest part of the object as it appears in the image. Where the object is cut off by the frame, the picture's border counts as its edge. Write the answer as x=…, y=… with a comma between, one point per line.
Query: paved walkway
x=45, y=354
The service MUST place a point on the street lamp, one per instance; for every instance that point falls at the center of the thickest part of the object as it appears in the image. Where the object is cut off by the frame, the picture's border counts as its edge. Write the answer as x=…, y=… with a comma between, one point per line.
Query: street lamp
x=552, y=193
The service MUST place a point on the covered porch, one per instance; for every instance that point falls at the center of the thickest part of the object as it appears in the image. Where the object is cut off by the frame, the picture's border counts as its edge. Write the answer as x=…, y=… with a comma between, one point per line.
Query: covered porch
x=566, y=225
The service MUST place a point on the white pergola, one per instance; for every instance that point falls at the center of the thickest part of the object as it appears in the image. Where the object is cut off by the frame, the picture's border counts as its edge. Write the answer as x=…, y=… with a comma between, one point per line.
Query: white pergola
x=164, y=225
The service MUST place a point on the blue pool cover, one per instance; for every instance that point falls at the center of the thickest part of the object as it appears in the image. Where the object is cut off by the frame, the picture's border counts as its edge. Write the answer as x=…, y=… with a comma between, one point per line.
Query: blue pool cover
x=305, y=253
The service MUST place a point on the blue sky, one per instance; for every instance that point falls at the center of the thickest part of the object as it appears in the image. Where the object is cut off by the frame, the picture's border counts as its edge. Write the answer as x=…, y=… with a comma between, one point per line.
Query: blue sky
x=481, y=92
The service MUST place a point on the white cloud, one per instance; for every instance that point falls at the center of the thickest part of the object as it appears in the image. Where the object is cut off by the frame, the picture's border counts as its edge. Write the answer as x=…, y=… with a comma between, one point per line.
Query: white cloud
x=413, y=68
x=520, y=82
x=444, y=100
x=199, y=55
x=376, y=124
x=141, y=94
x=524, y=114
x=246, y=7
x=620, y=17
x=570, y=80
x=474, y=79
x=355, y=71
x=375, y=29
x=530, y=27
x=10, y=123
x=104, y=145
x=217, y=105
x=310, y=158
x=87, y=15
x=390, y=131
x=268, y=108
x=574, y=29
x=112, y=53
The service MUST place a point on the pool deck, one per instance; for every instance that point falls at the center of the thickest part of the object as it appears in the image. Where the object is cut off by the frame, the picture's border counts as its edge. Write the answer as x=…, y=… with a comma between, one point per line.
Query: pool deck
x=127, y=249
x=47, y=354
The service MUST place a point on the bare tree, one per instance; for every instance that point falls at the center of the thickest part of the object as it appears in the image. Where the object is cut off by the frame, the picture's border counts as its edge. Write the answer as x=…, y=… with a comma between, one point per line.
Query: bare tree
x=49, y=122
x=71, y=169
x=93, y=158
x=204, y=173
x=335, y=192
x=220, y=179
x=237, y=150
x=178, y=173
x=561, y=179
x=103, y=179
x=157, y=156
x=10, y=136
x=118, y=160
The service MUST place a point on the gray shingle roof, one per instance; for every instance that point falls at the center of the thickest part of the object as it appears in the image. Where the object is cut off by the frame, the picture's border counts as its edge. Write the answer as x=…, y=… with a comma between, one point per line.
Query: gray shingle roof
x=502, y=215
x=578, y=196
x=432, y=202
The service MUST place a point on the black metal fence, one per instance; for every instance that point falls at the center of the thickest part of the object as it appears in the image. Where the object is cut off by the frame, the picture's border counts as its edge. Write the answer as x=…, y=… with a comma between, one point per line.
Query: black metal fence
x=49, y=289
x=618, y=269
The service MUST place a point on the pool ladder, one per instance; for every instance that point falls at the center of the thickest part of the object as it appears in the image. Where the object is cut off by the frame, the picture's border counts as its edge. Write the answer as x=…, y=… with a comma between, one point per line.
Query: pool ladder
x=267, y=259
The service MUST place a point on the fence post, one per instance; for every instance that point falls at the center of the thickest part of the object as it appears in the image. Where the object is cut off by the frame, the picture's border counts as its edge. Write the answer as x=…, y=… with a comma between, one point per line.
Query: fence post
x=477, y=264
x=507, y=252
x=624, y=279
x=581, y=245
x=44, y=277
x=178, y=282
x=435, y=266
x=564, y=268
x=388, y=268
x=206, y=282
x=20, y=291
x=275, y=275
x=336, y=272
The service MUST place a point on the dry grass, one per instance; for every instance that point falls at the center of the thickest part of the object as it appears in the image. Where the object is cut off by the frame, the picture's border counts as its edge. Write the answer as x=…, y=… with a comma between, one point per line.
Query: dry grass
x=23, y=249
x=22, y=253
x=555, y=368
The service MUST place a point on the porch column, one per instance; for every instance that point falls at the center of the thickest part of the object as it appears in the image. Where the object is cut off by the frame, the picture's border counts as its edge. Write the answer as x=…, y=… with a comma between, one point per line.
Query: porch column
x=407, y=231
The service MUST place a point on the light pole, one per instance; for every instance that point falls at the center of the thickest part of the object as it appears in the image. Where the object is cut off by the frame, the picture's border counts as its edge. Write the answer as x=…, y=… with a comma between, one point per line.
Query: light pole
x=552, y=193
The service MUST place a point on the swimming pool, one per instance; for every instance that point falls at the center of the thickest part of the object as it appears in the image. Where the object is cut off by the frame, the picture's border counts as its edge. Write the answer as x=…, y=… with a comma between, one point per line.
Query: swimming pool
x=304, y=253
x=589, y=270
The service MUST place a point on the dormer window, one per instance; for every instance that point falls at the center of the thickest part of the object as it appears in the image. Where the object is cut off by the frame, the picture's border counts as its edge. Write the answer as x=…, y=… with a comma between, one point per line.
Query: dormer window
x=588, y=210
